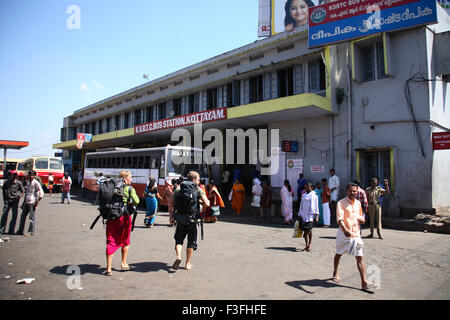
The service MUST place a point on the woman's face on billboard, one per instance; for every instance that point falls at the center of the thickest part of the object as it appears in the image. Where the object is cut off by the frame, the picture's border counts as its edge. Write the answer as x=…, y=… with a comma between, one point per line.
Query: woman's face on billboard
x=299, y=12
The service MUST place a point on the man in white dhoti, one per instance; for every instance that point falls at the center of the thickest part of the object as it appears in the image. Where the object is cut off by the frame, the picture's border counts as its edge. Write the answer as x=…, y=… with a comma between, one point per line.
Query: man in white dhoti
x=349, y=215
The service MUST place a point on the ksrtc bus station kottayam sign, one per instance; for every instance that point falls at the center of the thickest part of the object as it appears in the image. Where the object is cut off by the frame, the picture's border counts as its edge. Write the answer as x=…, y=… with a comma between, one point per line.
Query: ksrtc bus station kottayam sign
x=345, y=20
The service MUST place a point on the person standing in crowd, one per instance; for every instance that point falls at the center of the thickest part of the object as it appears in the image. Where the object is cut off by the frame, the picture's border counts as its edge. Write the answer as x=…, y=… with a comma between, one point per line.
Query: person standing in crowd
x=256, y=201
x=333, y=184
x=151, y=195
x=33, y=195
x=168, y=196
x=237, y=174
x=190, y=230
x=266, y=201
x=118, y=231
x=13, y=190
x=287, y=194
x=374, y=192
x=348, y=238
x=202, y=208
x=238, y=197
x=51, y=181
x=66, y=186
x=100, y=181
x=225, y=186
x=215, y=201
x=361, y=197
x=80, y=177
x=326, y=203
x=318, y=191
x=300, y=188
x=309, y=212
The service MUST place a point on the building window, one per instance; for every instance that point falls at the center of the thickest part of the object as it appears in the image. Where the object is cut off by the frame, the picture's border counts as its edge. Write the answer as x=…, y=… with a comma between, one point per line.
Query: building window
x=316, y=75
x=372, y=60
x=149, y=114
x=285, y=82
x=194, y=102
x=100, y=126
x=177, y=107
x=108, y=124
x=161, y=111
x=256, y=88
x=126, y=120
x=137, y=117
x=211, y=98
x=117, y=122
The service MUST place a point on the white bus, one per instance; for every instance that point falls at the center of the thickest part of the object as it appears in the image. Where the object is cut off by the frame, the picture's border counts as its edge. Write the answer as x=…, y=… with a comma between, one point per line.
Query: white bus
x=142, y=163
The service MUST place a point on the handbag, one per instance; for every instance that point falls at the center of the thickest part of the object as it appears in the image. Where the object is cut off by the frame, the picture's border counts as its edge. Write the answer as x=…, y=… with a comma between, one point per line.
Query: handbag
x=298, y=232
x=230, y=196
x=215, y=211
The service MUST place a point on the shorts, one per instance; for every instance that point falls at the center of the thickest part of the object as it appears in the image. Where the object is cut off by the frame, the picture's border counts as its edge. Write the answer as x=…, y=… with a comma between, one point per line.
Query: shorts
x=190, y=231
x=307, y=226
x=352, y=246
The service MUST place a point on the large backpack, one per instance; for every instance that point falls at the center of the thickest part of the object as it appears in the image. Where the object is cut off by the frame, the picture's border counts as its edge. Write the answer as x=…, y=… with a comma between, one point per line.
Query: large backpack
x=110, y=199
x=186, y=203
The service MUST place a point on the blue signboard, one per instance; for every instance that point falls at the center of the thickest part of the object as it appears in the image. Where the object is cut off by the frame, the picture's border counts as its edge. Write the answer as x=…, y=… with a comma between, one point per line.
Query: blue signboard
x=350, y=19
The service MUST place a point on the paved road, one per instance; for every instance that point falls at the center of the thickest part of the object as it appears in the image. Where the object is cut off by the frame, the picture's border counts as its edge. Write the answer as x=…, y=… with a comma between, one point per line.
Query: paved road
x=240, y=258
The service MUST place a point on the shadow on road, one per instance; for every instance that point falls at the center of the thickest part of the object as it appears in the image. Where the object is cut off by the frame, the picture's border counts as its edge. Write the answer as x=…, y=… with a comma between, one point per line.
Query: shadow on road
x=292, y=249
x=323, y=283
x=84, y=268
x=150, y=266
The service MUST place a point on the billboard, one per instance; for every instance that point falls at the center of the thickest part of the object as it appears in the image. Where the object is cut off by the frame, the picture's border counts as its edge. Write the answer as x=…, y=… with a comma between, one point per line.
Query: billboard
x=345, y=20
x=277, y=16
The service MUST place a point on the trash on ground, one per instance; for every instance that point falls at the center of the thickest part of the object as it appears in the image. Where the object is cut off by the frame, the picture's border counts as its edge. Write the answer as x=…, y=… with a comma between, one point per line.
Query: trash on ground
x=7, y=277
x=26, y=280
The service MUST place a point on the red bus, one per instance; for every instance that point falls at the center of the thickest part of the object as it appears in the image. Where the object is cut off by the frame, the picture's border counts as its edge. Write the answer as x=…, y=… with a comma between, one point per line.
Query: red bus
x=44, y=166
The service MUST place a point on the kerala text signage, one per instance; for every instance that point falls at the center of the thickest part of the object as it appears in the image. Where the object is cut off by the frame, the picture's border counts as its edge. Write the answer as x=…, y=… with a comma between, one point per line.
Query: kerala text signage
x=441, y=140
x=344, y=20
x=181, y=121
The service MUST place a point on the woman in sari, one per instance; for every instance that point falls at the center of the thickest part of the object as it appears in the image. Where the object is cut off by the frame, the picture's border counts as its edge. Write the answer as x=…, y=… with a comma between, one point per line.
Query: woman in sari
x=151, y=194
x=238, y=199
x=215, y=201
x=257, y=193
x=168, y=194
x=286, y=198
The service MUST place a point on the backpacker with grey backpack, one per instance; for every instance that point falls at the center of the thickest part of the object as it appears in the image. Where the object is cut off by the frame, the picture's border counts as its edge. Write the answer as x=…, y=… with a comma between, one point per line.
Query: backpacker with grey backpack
x=110, y=202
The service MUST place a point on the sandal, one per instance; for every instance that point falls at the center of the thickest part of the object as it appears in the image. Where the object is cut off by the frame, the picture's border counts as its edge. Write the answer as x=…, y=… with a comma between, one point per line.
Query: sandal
x=129, y=268
x=176, y=264
x=107, y=273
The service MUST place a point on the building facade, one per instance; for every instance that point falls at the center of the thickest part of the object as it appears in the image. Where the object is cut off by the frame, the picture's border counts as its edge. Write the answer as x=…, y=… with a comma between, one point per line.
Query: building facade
x=366, y=108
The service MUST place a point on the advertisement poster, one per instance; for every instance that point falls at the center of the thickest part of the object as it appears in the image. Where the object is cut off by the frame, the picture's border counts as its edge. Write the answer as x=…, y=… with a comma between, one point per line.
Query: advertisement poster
x=293, y=168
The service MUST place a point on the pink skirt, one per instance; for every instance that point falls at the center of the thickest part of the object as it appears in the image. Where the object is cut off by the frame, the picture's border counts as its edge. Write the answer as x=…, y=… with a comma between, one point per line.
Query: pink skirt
x=118, y=233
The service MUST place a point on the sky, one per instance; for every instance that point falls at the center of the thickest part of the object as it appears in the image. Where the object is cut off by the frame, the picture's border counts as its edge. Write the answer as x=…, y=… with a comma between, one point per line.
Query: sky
x=55, y=60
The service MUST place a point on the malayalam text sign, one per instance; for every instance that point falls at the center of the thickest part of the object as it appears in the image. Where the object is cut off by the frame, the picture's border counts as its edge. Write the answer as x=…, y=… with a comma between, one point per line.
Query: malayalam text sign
x=350, y=19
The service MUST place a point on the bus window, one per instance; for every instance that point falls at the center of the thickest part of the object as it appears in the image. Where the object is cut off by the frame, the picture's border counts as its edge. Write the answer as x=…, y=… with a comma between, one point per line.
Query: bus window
x=134, y=162
x=154, y=163
x=108, y=162
x=147, y=162
x=56, y=164
x=141, y=163
x=113, y=162
x=128, y=165
x=161, y=167
x=94, y=163
x=21, y=166
x=41, y=164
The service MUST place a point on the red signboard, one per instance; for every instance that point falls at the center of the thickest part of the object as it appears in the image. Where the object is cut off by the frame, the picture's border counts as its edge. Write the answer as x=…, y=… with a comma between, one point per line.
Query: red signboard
x=181, y=121
x=441, y=140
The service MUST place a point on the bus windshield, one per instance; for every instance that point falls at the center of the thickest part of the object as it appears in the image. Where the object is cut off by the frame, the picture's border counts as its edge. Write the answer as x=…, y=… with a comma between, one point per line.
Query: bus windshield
x=175, y=168
x=41, y=164
x=56, y=164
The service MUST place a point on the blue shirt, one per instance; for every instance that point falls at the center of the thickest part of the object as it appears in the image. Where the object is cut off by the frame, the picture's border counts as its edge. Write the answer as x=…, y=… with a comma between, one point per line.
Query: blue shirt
x=301, y=183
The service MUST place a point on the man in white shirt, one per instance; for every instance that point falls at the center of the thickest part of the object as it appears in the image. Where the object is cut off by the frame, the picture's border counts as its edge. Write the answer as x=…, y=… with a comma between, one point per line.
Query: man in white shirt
x=33, y=195
x=309, y=212
x=333, y=184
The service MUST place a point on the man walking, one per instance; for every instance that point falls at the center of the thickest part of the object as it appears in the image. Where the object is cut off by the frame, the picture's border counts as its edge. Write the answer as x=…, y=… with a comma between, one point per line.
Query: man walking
x=333, y=184
x=309, y=212
x=13, y=190
x=187, y=227
x=348, y=238
x=374, y=192
x=33, y=195
x=300, y=187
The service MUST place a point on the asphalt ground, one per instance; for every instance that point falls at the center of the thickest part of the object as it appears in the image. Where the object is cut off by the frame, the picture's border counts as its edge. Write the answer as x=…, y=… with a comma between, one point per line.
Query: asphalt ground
x=240, y=258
